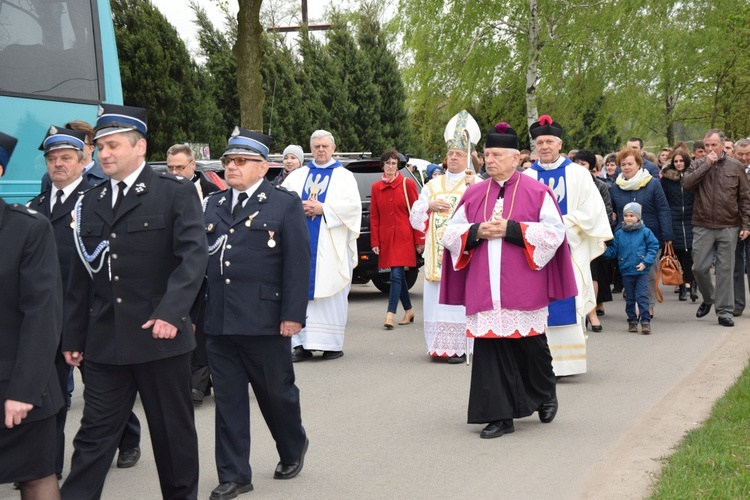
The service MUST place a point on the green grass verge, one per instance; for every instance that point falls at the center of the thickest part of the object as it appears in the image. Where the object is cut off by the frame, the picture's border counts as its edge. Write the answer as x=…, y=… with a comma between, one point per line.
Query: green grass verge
x=713, y=461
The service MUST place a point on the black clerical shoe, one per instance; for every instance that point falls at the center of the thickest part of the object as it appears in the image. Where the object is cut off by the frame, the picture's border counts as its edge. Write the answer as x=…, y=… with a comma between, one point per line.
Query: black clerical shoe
x=703, y=309
x=457, y=360
x=288, y=471
x=725, y=321
x=230, y=490
x=332, y=354
x=497, y=428
x=301, y=354
x=128, y=458
x=548, y=410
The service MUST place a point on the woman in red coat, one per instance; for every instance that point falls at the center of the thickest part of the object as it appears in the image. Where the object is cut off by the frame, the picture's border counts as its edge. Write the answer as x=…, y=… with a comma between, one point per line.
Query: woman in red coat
x=393, y=240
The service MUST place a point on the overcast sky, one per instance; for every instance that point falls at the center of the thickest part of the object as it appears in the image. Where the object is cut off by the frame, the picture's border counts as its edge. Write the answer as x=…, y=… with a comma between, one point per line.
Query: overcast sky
x=179, y=14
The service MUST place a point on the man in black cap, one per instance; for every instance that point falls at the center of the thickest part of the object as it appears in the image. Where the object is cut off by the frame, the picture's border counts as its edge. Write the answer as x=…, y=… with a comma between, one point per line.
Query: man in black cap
x=31, y=312
x=509, y=226
x=92, y=171
x=257, y=300
x=142, y=250
x=64, y=153
x=587, y=229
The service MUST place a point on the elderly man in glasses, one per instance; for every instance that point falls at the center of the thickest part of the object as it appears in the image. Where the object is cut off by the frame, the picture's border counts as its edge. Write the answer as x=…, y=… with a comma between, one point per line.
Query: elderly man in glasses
x=257, y=280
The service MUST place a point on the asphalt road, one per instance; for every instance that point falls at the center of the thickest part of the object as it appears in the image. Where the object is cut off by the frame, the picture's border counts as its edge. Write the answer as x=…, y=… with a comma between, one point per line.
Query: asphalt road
x=385, y=421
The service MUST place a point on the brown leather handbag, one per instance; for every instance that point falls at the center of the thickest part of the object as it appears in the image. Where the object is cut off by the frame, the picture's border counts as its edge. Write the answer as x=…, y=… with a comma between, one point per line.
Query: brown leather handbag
x=670, y=271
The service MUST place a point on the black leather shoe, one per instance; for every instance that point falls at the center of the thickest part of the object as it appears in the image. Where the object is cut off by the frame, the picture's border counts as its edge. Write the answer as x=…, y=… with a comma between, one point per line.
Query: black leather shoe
x=737, y=312
x=332, y=354
x=497, y=429
x=288, y=471
x=723, y=321
x=301, y=354
x=230, y=490
x=128, y=458
x=548, y=410
x=703, y=309
x=197, y=397
x=457, y=360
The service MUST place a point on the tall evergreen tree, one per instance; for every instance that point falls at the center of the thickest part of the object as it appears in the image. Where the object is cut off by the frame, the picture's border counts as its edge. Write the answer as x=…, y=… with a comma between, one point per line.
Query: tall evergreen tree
x=159, y=75
x=390, y=108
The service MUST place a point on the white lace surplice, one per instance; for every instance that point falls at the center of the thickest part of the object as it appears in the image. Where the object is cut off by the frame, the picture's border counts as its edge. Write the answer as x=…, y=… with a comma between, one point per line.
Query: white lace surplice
x=545, y=236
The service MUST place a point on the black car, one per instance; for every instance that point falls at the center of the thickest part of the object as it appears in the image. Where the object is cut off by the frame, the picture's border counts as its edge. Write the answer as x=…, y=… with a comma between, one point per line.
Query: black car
x=367, y=172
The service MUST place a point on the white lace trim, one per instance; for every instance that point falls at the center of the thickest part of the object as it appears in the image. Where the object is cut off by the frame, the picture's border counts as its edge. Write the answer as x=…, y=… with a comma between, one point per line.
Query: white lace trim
x=445, y=339
x=452, y=240
x=419, y=215
x=506, y=322
x=545, y=240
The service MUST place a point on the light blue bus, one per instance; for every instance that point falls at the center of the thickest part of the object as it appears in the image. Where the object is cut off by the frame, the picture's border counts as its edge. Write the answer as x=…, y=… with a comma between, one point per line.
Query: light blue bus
x=58, y=61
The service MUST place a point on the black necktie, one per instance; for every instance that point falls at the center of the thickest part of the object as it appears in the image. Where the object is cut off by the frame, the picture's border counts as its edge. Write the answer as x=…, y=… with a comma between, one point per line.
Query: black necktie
x=120, y=195
x=57, y=207
x=238, y=206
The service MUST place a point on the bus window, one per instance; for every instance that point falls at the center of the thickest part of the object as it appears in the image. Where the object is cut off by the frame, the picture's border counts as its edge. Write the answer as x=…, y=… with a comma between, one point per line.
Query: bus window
x=47, y=50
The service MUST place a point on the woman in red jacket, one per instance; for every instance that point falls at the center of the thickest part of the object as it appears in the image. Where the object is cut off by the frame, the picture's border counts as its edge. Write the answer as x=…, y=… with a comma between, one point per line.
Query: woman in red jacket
x=391, y=235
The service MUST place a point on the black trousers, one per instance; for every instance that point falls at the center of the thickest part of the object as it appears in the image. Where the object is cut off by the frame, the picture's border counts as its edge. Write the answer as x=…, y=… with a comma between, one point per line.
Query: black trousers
x=199, y=362
x=131, y=436
x=266, y=363
x=510, y=378
x=109, y=394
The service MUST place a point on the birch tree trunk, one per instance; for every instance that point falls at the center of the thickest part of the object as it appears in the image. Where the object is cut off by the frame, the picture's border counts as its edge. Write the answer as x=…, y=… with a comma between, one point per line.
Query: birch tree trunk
x=532, y=69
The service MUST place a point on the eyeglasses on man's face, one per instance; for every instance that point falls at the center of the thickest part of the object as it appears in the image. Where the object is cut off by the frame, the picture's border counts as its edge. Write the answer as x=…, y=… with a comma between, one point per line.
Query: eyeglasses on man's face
x=177, y=168
x=239, y=161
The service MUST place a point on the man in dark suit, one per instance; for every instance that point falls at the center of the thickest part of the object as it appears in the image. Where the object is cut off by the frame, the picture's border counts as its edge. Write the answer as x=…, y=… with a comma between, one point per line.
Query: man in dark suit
x=92, y=171
x=257, y=300
x=143, y=255
x=64, y=155
x=181, y=161
x=31, y=312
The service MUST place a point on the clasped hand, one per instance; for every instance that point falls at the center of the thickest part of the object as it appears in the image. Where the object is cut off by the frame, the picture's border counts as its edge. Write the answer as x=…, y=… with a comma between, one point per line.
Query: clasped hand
x=493, y=229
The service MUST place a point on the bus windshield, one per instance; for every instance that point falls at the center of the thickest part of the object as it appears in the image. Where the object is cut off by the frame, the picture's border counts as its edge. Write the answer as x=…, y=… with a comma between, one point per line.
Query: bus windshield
x=48, y=50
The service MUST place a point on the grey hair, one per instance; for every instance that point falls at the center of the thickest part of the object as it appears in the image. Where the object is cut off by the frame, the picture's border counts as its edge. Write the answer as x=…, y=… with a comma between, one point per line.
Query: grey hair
x=742, y=143
x=715, y=131
x=320, y=134
x=181, y=149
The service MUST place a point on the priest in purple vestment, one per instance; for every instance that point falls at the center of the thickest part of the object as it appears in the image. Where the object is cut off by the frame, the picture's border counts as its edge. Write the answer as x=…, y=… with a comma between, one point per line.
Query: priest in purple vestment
x=506, y=259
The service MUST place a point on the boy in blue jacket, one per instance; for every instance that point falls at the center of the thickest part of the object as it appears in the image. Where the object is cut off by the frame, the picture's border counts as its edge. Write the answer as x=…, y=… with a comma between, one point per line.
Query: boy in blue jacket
x=635, y=248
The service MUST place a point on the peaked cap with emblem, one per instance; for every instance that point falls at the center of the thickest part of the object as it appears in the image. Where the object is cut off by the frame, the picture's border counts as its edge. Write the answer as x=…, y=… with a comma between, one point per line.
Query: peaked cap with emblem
x=60, y=138
x=545, y=126
x=501, y=136
x=114, y=119
x=7, y=145
x=247, y=142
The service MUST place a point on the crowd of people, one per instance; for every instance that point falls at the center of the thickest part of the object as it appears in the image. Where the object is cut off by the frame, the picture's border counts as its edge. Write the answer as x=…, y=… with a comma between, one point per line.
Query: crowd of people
x=168, y=287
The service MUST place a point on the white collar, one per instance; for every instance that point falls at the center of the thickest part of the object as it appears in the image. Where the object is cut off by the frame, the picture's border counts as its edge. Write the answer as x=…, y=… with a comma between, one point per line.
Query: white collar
x=129, y=180
x=250, y=191
x=325, y=165
x=67, y=190
x=554, y=164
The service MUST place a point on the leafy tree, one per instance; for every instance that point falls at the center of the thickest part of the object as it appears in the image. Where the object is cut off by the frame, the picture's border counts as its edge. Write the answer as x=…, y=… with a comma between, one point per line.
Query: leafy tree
x=159, y=75
x=389, y=109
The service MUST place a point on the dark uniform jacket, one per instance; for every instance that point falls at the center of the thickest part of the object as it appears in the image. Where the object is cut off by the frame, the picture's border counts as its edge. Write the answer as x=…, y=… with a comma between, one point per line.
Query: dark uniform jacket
x=30, y=312
x=154, y=269
x=61, y=225
x=253, y=285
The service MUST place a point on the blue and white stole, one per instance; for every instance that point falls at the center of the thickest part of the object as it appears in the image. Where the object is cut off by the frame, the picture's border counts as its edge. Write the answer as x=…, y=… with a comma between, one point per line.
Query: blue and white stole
x=561, y=312
x=316, y=188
